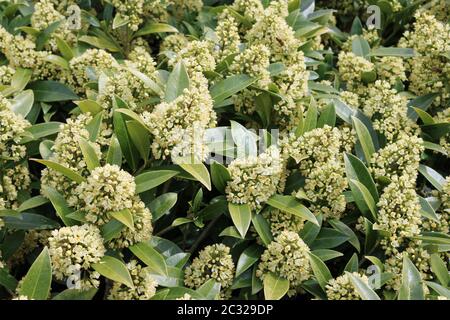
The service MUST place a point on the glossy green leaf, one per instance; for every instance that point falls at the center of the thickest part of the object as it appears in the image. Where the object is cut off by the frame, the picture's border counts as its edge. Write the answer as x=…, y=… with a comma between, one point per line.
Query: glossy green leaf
x=241, y=215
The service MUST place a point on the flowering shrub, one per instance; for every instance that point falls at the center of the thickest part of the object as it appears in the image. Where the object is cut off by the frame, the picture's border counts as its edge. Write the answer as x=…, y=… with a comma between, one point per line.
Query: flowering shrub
x=263, y=149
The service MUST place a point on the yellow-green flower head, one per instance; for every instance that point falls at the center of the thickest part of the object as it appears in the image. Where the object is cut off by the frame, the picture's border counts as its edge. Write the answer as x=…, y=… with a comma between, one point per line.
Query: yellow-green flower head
x=249, y=8
x=213, y=262
x=6, y=74
x=227, y=33
x=350, y=98
x=73, y=250
x=107, y=189
x=400, y=158
x=324, y=187
x=88, y=66
x=44, y=15
x=293, y=80
x=342, y=288
x=352, y=67
x=398, y=213
x=191, y=5
x=391, y=69
x=142, y=60
x=313, y=148
x=444, y=116
x=281, y=221
x=130, y=10
x=254, y=179
x=389, y=109
x=182, y=121
x=12, y=129
x=438, y=8
x=13, y=180
x=144, y=285
x=272, y=30
x=196, y=56
x=286, y=256
x=174, y=42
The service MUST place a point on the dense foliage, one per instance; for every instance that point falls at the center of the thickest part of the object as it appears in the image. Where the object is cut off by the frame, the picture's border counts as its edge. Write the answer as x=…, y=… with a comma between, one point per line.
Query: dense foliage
x=255, y=149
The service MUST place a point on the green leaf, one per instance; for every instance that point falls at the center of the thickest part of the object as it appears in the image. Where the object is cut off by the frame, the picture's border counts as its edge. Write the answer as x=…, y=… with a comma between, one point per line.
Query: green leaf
x=360, y=47
x=310, y=117
x=262, y=228
x=162, y=204
x=174, y=277
x=128, y=149
x=219, y=176
x=424, y=116
x=36, y=284
x=363, y=289
x=124, y=216
x=152, y=258
x=91, y=106
x=442, y=291
x=392, y=52
x=7, y=280
x=327, y=117
x=411, y=288
x=197, y=170
x=76, y=294
x=326, y=254
x=101, y=43
x=51, y=91
x=328, y=238
x=140, y=138
x=154, y=27
x=111, y=230
x=275, y=287
x=245, y=140
x=29, y=221
x=363, y=199
x=241, y=215
x=18, y=82
x=210, y=290
x=229, y=86
x=94, y=126
x=432, y=176
x=59, y=203
x=151, y=179
x=114, y=269
x=22, y=103
x=119, y=21
x=33, y=202
x=320, y=270
x=114, y=155
x=177, y=82
x=89, y=154
x=436, y=130
x=427, y=210
x=248, y=258
x=291, y=205
x=58, y=61
x=439, y=268
x=343, y=228
x=42, y=130
x=364, y=138
x=352, y=264
x=64, y=48
x=356, y=170
x=422, y=103
x=72, y=175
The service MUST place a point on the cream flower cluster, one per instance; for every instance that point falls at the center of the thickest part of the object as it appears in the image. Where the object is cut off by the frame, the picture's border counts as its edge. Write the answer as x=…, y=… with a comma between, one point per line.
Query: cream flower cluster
x=213, y=262
x=197, y=57
x=254, y=179
x=144, y=285
x=227, y=32
x=342, y=288
x=352, y=68
x=180, y=124
x=73, y=250
x=286, y=256
x=130, y=10
x=109, y=189
x=281, y=221
x=318, y=154
x=14, y=175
